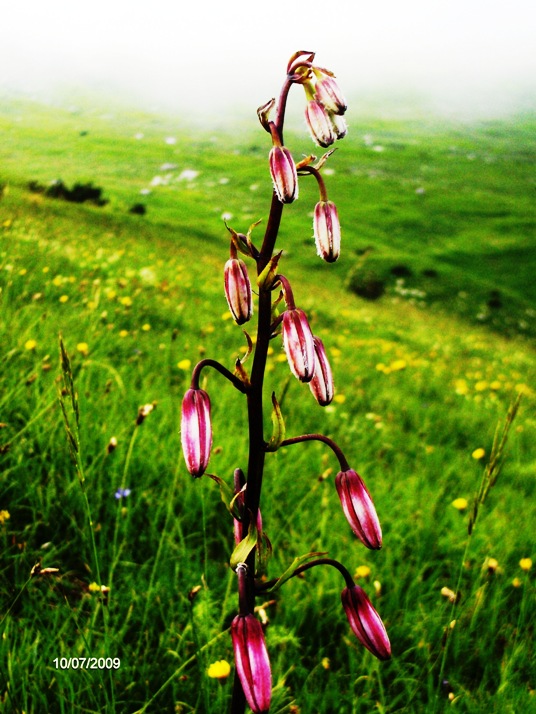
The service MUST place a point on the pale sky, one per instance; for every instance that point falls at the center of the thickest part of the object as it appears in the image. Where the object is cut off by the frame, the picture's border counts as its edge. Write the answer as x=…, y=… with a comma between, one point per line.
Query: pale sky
x=210, y=55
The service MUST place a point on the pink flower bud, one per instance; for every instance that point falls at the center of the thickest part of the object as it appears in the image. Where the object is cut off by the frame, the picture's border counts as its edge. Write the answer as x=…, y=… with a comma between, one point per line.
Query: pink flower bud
x=339, y=126
x=238, y=290
x=284, y=174
x=327, y=231
x=328, y=93
x=319, y=123
x=359, y=508
x=252, y=663
x=365, y=622
x=298, y=344
x=321, y=384
x=196, y=431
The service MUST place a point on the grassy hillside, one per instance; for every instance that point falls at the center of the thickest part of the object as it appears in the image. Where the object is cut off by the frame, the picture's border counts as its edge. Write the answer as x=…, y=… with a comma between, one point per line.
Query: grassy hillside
x=439, y=220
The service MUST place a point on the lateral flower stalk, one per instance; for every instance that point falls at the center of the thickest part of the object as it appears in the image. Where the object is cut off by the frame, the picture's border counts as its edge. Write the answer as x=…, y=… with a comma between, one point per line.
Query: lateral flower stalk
x=196, y=431
x=252, y=662
x=365, y=622
x=359, y=508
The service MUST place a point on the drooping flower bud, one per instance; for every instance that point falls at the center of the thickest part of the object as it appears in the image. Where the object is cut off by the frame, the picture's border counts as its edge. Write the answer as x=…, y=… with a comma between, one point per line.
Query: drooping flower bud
x=284, y=174
x=339, y=126
x=298, y=344
x=327, y=231
x=252, y=662
x=319, y=123
x=196, y=431
x=238, y=290
x=359, y=508
x=328, y=93
x=321, y=384
x=365, y=622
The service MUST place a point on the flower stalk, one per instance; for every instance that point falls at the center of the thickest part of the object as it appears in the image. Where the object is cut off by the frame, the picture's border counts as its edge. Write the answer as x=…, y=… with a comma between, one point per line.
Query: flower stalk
x=307, y=359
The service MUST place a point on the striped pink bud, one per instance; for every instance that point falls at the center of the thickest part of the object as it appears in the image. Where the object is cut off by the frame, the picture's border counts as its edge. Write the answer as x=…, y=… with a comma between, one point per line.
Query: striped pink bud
x=284, y=174
x=328, y=93
x=327, y=231
x=359, y=508
x=319, y=123
x=365, y=622
x=196, y=431
x=238, y=290
x=339, y=126
x=298, y=344
x=321, y=384
x=252, y=662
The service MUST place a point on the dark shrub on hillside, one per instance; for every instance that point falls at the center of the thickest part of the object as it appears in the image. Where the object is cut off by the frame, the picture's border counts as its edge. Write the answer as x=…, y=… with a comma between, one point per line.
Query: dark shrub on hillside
x=401, y=271
x=366, y=284
x=138, y=209
x=80, y=192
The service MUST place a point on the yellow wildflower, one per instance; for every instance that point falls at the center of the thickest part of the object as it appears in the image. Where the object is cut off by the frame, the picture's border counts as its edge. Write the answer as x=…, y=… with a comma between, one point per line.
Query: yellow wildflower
x=184, y=364
x=460, y=504
x=339, y=398
x=398, y=364
x=362, y=571
x=146, y=327
x=219, y=670
x=64, y=299
x=4, y=516
x=123, y=333
x=83, y=348
x=525, y=564
x=326, y=663
x=461, y=387
x=478, y=454
x=126, y=301
x=30, y=345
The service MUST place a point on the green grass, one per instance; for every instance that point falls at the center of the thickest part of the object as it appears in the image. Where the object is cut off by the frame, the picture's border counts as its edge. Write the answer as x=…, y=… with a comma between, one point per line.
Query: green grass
x=423, y=374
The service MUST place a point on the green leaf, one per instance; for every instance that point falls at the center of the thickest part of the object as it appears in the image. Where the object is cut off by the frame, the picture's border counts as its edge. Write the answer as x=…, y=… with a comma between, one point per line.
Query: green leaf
x=278, y=433
x=244, y=548
x=227, y=496
x=289, y=572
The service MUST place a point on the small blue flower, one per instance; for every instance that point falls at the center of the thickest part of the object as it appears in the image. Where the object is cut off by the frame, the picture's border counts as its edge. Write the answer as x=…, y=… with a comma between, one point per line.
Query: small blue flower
x=122, y=492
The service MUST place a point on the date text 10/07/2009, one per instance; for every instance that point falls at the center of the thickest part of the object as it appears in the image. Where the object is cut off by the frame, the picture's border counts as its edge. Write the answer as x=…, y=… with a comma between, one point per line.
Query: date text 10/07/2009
x=87, y=662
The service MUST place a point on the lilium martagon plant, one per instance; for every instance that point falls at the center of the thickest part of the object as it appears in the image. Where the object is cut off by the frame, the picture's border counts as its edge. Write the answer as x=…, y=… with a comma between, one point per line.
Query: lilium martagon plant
x=278, y=314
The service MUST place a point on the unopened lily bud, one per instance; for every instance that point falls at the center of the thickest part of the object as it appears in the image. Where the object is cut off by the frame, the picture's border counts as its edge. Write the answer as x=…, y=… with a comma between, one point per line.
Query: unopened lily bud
x=319, y=123
x=238, y=290
x=328, y=93
x=298, y=344
x=339, y=125
x=359, y=508
x=284, y=174
x=196, y=431
x=327, y=231
x=321, y=384
x=252, y=662
x=365, y=622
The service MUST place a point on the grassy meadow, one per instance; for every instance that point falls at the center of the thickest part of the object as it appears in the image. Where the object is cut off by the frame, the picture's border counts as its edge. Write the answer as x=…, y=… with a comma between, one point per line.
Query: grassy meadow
x=438, y=227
